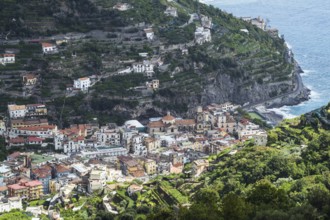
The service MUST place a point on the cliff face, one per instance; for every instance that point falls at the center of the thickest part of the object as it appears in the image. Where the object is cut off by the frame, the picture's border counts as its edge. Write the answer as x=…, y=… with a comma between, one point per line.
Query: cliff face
x=289, y=92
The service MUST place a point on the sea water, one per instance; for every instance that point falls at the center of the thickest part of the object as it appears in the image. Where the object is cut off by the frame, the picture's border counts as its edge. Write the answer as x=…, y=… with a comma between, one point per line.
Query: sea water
x=305, y=25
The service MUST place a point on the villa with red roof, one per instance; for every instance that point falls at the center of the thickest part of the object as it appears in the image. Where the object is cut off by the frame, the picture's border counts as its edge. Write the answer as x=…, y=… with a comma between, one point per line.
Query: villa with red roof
x=48, y=48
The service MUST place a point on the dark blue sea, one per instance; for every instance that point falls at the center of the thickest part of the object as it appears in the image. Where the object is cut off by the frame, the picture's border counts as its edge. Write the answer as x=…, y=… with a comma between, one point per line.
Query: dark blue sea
x=305, y=25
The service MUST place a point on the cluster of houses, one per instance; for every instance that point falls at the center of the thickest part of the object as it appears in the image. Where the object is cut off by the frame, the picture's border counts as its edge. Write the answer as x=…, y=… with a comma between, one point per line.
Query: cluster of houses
x=162, y=146
x=89, y=156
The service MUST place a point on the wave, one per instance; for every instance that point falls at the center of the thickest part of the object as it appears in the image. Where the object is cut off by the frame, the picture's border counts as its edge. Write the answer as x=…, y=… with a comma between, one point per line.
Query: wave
x=307, y=72
x=314, y=95
x=284, y=111
x=288, y=45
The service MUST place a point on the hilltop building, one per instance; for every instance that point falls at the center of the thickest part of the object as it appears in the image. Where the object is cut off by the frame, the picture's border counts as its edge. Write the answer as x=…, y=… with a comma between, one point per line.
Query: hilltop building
x=82, y=83
x=7, y=58
x=171, y=11
x=48, y=48
x=202, y=35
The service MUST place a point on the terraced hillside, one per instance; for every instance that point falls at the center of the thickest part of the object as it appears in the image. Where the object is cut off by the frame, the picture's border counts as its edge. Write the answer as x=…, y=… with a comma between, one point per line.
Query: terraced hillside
x=242, y=63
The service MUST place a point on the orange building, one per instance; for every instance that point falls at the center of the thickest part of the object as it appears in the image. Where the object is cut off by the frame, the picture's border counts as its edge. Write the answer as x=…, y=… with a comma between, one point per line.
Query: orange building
x=31, y=190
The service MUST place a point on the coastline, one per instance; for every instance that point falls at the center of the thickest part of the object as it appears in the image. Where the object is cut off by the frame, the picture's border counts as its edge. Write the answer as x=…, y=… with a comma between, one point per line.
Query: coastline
x=266, y=108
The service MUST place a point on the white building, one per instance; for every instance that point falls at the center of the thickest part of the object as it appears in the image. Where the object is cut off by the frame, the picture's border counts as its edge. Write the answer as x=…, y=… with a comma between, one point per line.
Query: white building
x=138, y=147
x=247, y=129
x=108, y=135
x=122, y=6
x=7, y=58
x=17, y=111
x=7, y=204
x=105, y=151
x=206, y=21
x=138, y=68
x=48, y=48
x=5, y=172
x=82, y=83
x=260, y=138
x=202, y=35
x=146, y=67
x=171, y=11
x=2, y=127
x=74, y=145
x=58, y=141
x=43, y=131
x=149, y=33
x=154, y=84
x=96, y=180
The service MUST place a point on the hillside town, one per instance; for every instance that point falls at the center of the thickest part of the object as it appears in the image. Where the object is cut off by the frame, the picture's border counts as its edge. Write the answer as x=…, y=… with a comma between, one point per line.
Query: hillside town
x=53, y=163
x=50, y=165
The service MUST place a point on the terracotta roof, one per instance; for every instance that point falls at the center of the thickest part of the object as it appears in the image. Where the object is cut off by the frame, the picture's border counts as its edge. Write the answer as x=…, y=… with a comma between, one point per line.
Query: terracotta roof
x=34, y=139
x=36, y=105
x=47, y=44
x=39, y=128
x=16, y=186
x=9, y=55
x=16, y=107
x=3, y=188
x=62, y=169
x=42, y=172
x=148, y=30
x=178, y=165
x=244, y=121
x=30, y=76
x=14, y=155
x=33, y=183
x=131, y=163
x=168, y=117
x=135, y=187
x=17, y=140
x=185, y=122
x=138, y=173
x=84, y=78
x=156, y=124
x=79, y=138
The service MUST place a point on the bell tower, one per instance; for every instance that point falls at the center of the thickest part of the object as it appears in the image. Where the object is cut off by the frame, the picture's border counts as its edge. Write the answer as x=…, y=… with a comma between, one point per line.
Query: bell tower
x=199, y=120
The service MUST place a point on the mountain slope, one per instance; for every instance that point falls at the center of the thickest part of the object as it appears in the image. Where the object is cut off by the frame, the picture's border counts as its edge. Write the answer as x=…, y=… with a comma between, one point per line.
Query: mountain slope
x=242, y=64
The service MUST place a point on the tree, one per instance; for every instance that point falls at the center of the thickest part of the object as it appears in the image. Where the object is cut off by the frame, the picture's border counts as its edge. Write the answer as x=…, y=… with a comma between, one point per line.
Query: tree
x=264, y=194
x=161, y=213
x=236, y=208
x=320, y=199
x=205, y=206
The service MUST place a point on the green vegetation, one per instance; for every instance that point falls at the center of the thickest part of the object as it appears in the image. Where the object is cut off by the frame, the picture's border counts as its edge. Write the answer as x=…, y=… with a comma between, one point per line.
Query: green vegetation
x=14, y=214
